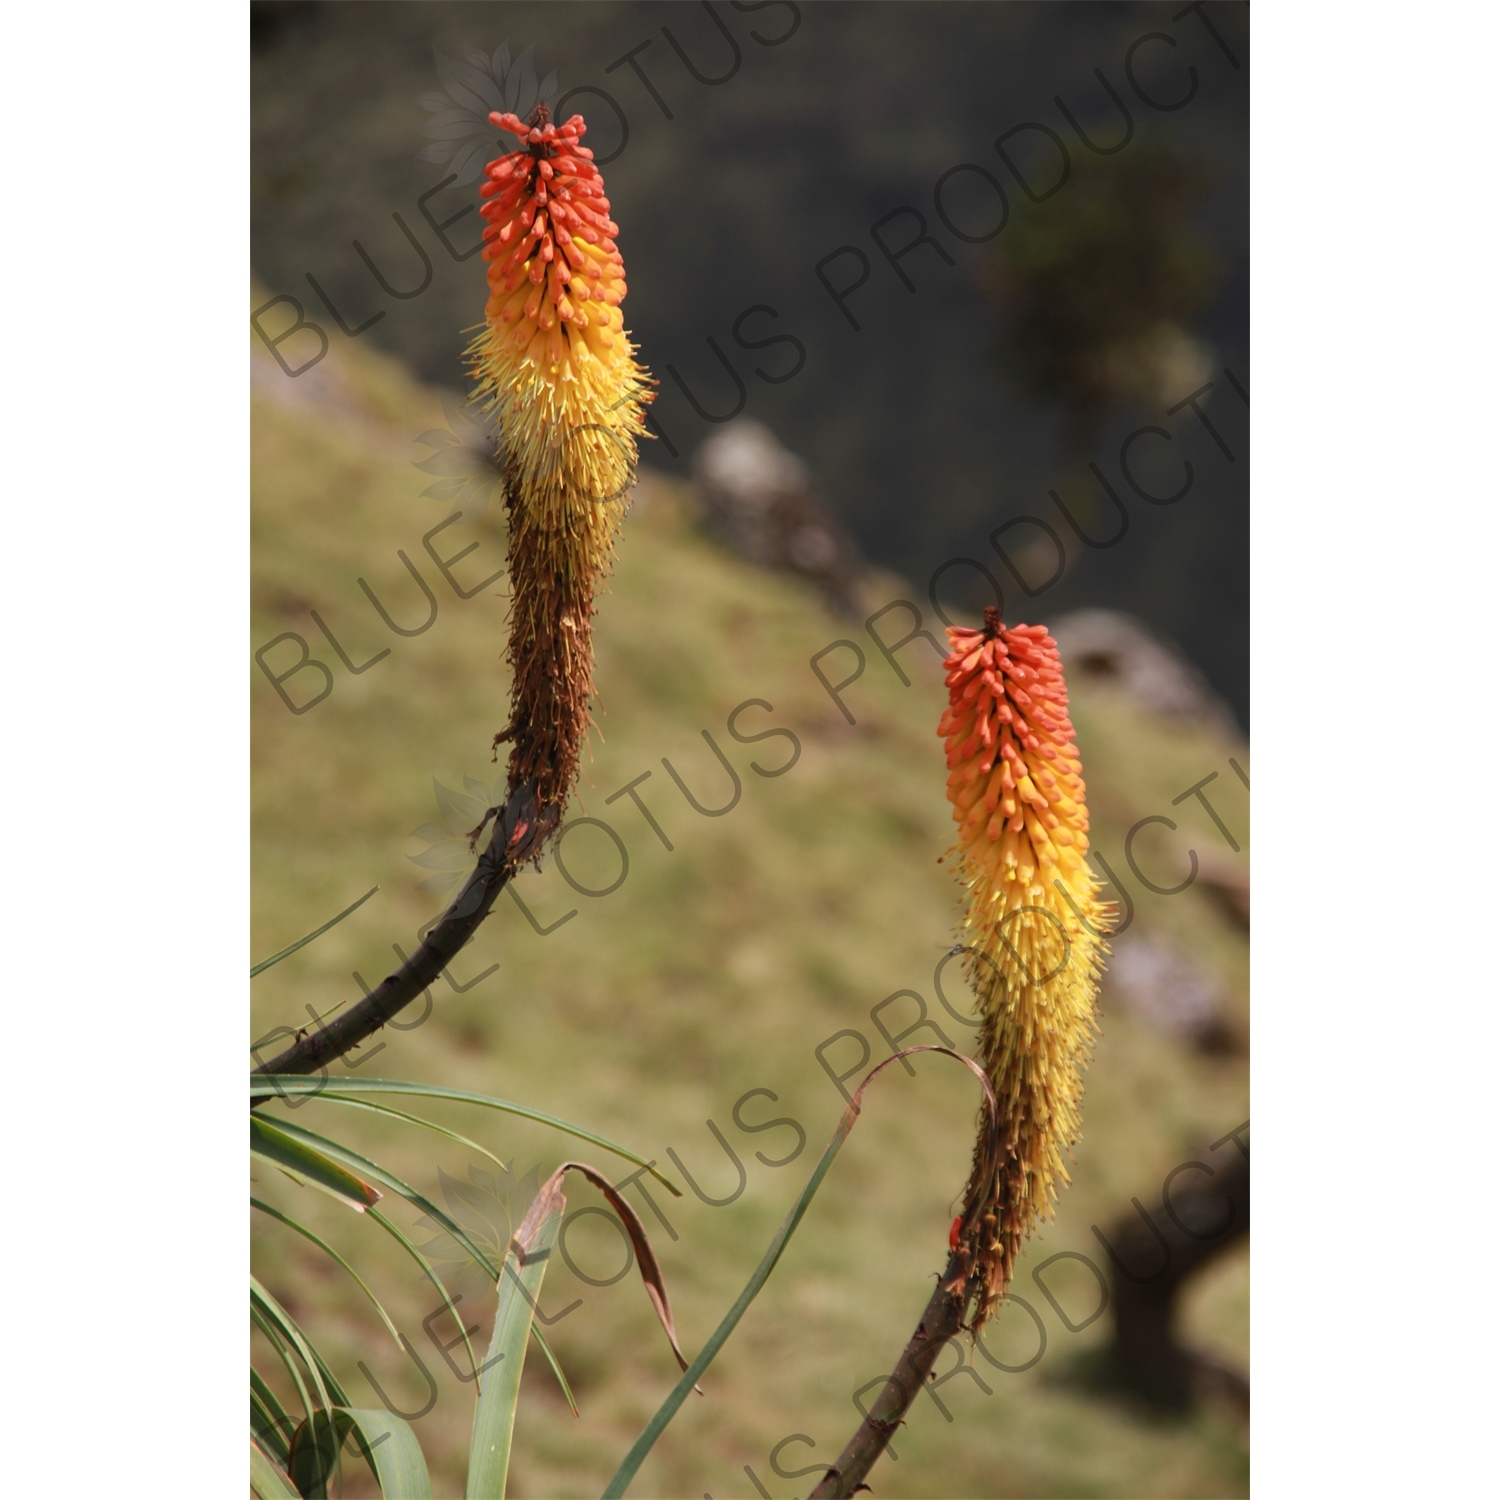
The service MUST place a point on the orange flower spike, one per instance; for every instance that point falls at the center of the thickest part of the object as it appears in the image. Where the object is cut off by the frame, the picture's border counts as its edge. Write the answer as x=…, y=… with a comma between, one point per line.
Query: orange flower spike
x=1032, y=926
x=555, y=367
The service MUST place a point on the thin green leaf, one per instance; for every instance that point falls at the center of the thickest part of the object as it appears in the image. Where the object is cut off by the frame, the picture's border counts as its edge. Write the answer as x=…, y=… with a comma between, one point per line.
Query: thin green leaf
x=292, y=1340
x=276, y=1341
x=400, y=1114
x=452, y=1227
x=263, y=1431
x=557, y=1369
x=445, y=1222
x=669, y=1408
x=263, y=1428
x=389, y=1179
x=322, y=1244
x=270, y=1423
x=268, y=1398
x=265, y=1085
x=275, y=1144
x=329, y=1390
x=433, y=1277
x=520, y=1286
x=276, y=958
x=387, y=1444
x=267, y=1481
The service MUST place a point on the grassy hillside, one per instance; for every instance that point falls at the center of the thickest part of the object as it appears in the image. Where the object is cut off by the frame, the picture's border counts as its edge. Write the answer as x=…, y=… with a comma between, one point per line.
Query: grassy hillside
x=712, y=970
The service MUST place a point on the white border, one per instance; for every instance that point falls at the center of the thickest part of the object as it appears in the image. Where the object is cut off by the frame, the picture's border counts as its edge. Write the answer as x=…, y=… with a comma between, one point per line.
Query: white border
x=127, y=759
x=1373, y=561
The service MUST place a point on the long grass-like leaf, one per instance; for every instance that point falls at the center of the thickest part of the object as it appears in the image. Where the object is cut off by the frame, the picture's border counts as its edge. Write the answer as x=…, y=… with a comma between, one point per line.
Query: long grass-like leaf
x=402, y=1189
x=330, y=1392
x=271, y=1425
x=267, y=1085
x=268, y=1398
x=323, y=1244
x=557, y=1369
x=412, y=1196
x=276, y=958
x=263, y=1429
x=433, y=1277
x=408, y=1192
x=284, y=1354
x=267, y=1482
x=393, y=1450
x=388, y=1445
x=309, y=1164
x=520, y=1286
x=401, y=1114
x=669, y=1408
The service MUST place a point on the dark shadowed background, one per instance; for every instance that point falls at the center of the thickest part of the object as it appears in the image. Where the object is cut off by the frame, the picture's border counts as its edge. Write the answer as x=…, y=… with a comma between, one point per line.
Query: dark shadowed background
x=962, y=398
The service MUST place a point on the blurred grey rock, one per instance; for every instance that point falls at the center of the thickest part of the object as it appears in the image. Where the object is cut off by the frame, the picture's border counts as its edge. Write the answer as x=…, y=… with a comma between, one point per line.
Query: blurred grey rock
x=1105, y=645
x=1167, y=989
x=762, y=502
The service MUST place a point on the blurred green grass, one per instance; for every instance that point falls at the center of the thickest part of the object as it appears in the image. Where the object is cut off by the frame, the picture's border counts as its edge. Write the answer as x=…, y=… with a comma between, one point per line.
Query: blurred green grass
x=713, y=970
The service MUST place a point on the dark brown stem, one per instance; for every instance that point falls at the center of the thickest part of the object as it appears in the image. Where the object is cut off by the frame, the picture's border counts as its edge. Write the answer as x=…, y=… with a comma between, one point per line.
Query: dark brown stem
x=943, y=1320
x=517, y=836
